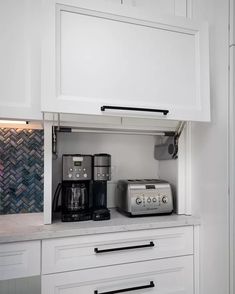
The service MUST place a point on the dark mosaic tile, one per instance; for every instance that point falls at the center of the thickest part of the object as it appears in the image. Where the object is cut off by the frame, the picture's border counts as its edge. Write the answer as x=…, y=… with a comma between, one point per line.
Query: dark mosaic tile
x=21, y=170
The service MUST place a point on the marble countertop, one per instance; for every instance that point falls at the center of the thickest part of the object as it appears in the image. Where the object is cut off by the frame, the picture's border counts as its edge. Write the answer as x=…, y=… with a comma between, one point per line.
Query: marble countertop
x=25, y=227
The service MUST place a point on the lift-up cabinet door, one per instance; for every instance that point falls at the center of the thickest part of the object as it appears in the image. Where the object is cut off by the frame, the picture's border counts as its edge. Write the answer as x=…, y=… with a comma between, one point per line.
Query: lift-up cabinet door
x=111, y=55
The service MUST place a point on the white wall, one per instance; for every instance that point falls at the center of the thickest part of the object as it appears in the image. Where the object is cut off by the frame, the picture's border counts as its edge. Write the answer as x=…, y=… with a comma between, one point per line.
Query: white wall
x=210, y=156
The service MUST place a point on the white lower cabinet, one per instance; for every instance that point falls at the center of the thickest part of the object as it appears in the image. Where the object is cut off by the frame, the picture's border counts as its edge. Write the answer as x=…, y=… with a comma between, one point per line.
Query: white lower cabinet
x=19, y=260
x=168, y=276
x=83, y=252
x=160, y=261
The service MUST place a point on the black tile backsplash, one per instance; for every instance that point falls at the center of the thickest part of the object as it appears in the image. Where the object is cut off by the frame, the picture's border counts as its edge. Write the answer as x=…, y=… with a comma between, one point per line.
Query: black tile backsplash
x=21, y=170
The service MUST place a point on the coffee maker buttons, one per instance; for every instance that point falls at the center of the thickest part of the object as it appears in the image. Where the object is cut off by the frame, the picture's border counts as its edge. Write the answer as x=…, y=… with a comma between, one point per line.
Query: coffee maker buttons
x=85, y=175
x=70, y=176
x=71, y=169
x=77, y=175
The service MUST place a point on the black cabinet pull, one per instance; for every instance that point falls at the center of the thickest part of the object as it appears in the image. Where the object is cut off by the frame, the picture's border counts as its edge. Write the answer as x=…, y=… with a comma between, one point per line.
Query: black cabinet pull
x=104, y=107
x=151, y=285
x=151, y=244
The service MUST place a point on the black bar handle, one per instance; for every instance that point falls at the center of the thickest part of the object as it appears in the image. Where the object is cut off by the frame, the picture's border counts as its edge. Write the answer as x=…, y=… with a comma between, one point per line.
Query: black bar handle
x=150, y=285
x=97, y=250
x=104, y=107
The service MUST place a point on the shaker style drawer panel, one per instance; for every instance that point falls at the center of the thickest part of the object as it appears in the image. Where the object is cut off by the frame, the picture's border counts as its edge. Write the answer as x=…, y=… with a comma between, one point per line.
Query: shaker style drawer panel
x=83, y=252
x=18, y=260
x=171, y=276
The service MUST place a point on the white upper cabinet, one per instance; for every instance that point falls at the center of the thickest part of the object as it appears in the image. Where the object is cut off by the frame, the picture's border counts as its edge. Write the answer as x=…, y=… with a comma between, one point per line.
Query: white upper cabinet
x=97, y=54
x=164, y=7
x=232, y=22
x=20, y=59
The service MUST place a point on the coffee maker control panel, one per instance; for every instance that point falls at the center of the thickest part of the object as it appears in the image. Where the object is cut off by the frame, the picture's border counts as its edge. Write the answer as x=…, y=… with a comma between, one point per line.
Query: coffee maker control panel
x=102, y=167
x=77, y=167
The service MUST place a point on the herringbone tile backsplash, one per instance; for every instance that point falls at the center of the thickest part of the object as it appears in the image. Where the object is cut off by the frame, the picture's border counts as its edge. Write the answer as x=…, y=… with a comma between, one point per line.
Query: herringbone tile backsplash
x=21, y=170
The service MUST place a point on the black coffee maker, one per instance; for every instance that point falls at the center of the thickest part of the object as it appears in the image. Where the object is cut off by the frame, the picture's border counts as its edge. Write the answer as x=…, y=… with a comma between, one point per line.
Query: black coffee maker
x=76, y=197
x=101, y=174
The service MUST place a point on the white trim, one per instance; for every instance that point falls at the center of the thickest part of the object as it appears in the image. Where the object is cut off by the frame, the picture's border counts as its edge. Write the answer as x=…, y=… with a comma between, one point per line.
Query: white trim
x=47, y=172
x=184, y=202
x=181, y=193
x=231, y=22
x=181, y=8
x=189, y=9
x=196, y=258
x=188, y=168
x=231, y=166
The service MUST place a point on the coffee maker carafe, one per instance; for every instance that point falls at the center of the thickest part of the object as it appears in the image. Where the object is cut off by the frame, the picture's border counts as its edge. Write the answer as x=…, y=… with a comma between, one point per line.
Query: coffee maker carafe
x=101, y=174
x=77, y=188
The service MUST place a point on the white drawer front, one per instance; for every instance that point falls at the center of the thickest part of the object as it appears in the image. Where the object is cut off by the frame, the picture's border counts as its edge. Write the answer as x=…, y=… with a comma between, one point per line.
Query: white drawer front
x=18, y=260
x=163, y=276
x=67, y=254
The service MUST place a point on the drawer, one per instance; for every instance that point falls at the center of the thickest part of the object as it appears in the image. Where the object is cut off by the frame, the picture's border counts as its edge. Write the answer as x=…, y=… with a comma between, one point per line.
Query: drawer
x=65, y=254
x=162, y=276
x=18, y=260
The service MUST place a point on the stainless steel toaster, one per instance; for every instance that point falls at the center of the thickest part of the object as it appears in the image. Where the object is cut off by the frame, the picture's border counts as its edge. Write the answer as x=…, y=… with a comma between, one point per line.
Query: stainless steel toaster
x=144, y=197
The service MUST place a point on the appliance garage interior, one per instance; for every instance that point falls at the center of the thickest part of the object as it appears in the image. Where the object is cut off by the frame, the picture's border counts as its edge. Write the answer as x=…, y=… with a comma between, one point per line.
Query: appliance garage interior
x=92, y=184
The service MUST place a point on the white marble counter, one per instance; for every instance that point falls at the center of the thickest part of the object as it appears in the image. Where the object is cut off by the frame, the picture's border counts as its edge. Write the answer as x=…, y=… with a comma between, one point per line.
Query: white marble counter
x=25, y=227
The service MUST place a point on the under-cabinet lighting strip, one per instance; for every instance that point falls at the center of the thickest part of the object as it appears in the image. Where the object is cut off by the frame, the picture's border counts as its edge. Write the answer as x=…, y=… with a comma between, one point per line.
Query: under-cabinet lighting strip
x=15, y=122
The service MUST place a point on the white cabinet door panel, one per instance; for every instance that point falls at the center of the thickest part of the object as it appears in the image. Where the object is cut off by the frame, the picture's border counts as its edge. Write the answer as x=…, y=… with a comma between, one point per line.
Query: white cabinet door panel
x=106, y=59
x=167, y=276
x=20, y=59
x=113, y=71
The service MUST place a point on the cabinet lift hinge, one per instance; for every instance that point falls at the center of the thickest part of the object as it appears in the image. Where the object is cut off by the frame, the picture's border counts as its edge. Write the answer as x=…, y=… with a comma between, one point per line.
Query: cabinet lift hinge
x=164, y=151
x=168, y=150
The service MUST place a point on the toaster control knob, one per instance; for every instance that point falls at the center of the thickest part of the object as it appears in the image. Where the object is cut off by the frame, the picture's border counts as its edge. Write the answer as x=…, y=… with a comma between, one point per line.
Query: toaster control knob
x=164, y=199
x=138, y=201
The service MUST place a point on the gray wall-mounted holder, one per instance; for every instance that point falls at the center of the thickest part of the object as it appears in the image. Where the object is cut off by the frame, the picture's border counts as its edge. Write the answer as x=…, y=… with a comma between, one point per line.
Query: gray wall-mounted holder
x=168, y=150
